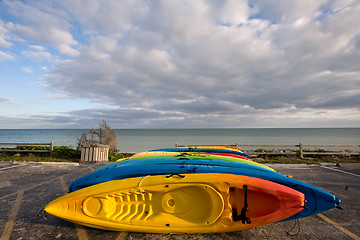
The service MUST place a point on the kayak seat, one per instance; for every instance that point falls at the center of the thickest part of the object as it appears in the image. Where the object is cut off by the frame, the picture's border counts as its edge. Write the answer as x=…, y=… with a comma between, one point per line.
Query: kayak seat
x=196, y=204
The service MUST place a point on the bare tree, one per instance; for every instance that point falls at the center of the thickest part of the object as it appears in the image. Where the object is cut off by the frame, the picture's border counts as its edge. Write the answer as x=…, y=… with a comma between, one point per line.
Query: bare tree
x=103, y=135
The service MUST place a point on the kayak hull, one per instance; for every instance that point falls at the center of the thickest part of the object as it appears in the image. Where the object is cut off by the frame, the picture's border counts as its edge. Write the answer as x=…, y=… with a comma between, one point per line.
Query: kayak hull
x=317, y=200
x=195, y=158
x=189, y=203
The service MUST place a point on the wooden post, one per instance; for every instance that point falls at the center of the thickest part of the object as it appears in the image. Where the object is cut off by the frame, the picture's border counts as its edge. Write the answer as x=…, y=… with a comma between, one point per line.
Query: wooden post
x=301, y=150
x=51, y=148
x=82, y=158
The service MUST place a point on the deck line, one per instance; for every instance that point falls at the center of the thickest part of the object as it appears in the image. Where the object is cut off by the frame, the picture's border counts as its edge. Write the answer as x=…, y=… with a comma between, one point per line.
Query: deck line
x=334, y=169
x=11, y=167
x=347, y=232
x=37, y=185
x=9, y=226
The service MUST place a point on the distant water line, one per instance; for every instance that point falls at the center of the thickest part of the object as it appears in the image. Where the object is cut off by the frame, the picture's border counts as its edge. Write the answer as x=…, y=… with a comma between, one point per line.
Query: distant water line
x=137, y=140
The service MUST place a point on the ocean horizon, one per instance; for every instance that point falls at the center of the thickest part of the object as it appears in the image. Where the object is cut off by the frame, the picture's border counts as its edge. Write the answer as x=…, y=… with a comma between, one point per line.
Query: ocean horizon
x=138, y=140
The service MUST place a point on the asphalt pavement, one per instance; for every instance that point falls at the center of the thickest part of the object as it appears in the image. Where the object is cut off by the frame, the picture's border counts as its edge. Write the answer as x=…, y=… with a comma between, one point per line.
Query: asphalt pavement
x=25, y=188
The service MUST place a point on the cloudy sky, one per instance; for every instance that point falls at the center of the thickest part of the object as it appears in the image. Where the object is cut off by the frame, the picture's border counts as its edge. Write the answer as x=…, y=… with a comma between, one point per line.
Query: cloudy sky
x=179, y=64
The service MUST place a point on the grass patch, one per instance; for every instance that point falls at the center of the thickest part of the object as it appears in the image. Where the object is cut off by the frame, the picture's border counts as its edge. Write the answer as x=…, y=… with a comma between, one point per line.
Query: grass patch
x=115, y=157
x=60, y=154
x=33, y=158
x=294, y=160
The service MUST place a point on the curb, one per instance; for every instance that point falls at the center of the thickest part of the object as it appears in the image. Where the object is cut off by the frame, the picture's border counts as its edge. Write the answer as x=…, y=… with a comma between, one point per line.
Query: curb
x=328, y=164
x=287, y=165
x=58, y=163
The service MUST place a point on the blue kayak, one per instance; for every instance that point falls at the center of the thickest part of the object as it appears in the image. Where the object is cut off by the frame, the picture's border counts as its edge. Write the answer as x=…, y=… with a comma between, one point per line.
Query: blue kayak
x=186, y=161
x=203, y=150
x=317, y=200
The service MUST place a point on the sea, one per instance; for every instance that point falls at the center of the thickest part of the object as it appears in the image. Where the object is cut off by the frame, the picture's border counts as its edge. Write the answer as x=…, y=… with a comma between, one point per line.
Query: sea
x=139, y=140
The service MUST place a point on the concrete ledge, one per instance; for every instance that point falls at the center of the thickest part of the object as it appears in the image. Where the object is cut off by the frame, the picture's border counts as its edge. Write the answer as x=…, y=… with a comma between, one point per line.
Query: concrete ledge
x=343, y=164
x=58, y=163
x=287, y=165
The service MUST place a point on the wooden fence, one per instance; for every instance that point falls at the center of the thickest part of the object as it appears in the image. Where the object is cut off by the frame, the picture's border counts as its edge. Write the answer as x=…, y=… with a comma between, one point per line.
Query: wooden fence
x=51, y=144
x=298, y=149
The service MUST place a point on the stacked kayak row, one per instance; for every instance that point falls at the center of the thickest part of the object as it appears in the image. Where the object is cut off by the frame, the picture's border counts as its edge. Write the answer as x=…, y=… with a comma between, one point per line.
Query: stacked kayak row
x=192, y=190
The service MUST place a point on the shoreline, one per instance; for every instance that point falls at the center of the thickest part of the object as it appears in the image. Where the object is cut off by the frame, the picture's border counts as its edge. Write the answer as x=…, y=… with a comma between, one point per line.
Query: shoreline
x=138, y=140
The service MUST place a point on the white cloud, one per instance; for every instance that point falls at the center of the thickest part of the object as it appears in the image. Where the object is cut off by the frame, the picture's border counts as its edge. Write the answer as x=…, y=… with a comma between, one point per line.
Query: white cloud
x=67, y=50
x=4, y=43
x=234, y=12
x=104, y=44
x=105, y=17
x=5, y=100
x=44, y=24
x=37, y=48
x=5, y=56
x=37, y=53
x=27, y=70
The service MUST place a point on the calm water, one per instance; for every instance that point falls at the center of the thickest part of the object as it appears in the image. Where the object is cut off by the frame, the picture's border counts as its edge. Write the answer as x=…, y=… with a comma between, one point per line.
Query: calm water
x=137, y=140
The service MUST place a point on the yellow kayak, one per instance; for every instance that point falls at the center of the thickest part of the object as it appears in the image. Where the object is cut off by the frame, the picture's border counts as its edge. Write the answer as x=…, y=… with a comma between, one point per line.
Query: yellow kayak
x=189, y=203
x=191, y=155
x=150, y=154
x=226, y=147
